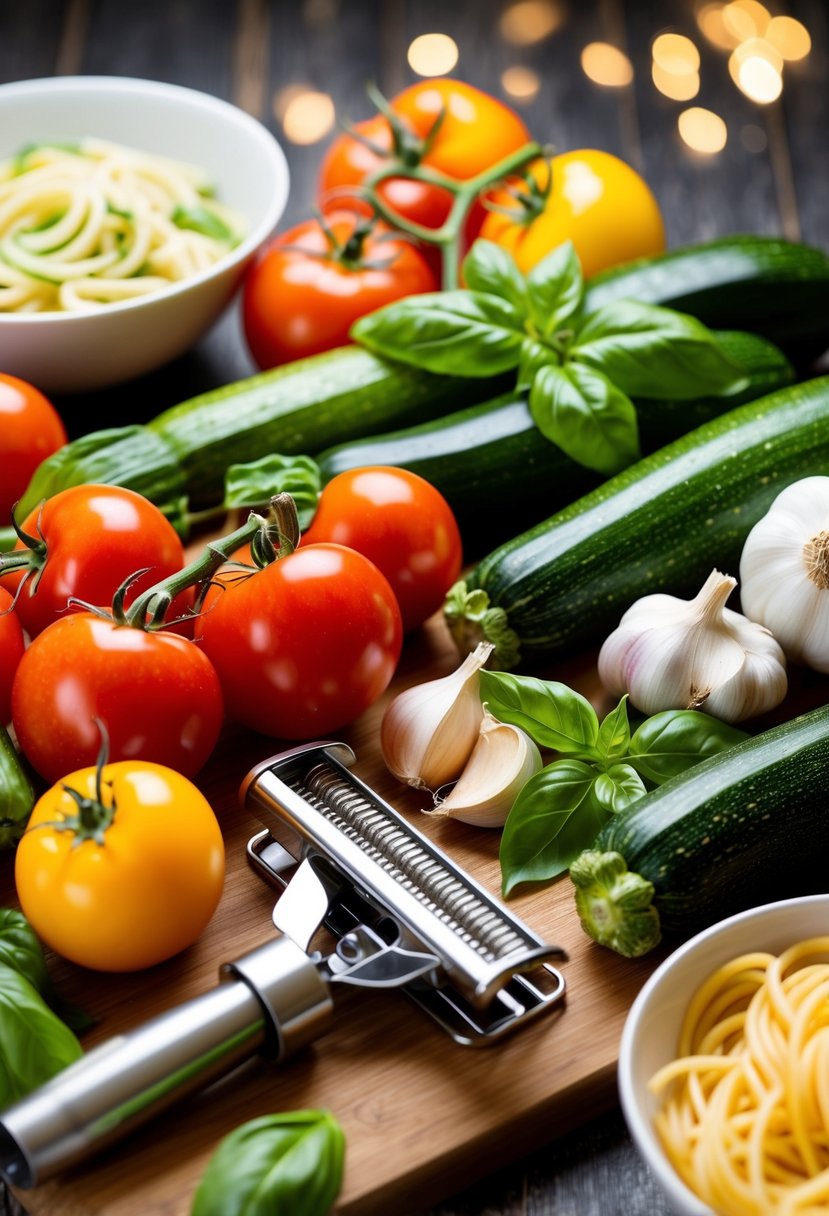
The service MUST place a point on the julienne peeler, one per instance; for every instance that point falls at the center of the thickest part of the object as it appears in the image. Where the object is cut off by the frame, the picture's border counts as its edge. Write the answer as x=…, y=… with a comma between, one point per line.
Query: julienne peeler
x=393, y=912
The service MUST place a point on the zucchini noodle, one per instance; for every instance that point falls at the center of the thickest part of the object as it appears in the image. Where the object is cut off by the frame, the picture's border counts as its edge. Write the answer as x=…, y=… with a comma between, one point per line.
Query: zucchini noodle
x=745, y=1106
x=84, y=225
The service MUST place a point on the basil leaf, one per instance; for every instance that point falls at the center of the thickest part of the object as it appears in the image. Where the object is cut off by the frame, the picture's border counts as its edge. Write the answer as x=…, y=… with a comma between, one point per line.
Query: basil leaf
x=201, y=219
x=555, y=289
x=618, y=787
x=250, y=485
x=614, y=732
x=20, y=949
x=456, y=333
x=649, y=351
x=555, y=816
x=291, y=1162
x=552, y=714
x=587, y=416
x=34, y=1044
x=676, y=739
x=489, y=268
x=534, y=355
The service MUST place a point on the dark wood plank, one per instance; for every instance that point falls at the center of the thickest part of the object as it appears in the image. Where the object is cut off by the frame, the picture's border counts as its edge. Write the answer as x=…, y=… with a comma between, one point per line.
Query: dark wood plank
x=806, y=110
x=29, y=38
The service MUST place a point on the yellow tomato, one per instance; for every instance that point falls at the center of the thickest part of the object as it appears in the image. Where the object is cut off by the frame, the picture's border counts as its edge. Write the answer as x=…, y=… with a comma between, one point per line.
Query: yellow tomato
x=596, y=201
x=125, y=880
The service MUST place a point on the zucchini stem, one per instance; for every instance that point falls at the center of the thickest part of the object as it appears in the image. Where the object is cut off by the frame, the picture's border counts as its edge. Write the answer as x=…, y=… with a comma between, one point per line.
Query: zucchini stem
x=615, y=905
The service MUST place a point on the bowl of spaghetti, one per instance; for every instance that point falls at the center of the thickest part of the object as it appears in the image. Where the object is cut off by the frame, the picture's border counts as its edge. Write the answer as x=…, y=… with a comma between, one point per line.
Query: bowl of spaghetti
x=129, y=211
x=724, y=1066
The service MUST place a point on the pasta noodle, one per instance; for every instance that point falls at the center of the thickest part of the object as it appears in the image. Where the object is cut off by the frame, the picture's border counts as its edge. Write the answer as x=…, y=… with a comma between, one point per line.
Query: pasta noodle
x=84, y=225
x=745, y=1105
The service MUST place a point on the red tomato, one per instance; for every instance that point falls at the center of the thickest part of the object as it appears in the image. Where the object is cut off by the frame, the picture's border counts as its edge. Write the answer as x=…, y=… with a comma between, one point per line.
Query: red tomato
x=477, y=132
x=297, y=303
x=402, y=524
x=30, y=430
x=95, y=537
x=303, y=646
x=11, y=652
x=156, y=693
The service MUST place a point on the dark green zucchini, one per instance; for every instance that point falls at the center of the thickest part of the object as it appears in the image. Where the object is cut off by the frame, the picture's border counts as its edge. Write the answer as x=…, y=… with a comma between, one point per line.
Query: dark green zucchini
x=661, y=525
x=745, y=827
x=499, y=473
x=17, y=796
x=771, y=286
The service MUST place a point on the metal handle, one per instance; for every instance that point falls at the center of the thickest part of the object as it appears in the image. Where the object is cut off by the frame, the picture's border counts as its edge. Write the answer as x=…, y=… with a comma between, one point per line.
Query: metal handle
x=272, y=1000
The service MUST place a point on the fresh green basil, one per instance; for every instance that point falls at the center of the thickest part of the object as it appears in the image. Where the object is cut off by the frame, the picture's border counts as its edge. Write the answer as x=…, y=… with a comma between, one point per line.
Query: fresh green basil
x=672, y=741
x=455, y=333
x=618, y=787
x=534, y=356
x=614, y=733
x=35, y=1044
x=21, y=950
x=291, y=1163
x=552, y=714
x=590, y=419
x=555, y=289
x=490, y=269
x=201, y=219
x=251, y=485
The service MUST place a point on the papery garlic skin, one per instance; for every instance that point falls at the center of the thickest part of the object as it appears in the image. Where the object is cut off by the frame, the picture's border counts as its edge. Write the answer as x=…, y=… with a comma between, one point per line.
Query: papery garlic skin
x=784, y=571
x=502, y=762
x=670, y=653
x=428, y=732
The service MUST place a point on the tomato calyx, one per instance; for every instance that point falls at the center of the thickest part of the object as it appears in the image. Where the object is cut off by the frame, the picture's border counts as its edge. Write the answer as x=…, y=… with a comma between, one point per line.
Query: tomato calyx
x=350, y=253
x=407, y=148
x=531, y=196
x=94, y=815
x=30, y=560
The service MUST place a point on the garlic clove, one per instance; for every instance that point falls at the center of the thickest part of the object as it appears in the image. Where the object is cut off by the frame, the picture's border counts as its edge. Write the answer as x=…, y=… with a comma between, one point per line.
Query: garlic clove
x=428, y=732
x=502, y=762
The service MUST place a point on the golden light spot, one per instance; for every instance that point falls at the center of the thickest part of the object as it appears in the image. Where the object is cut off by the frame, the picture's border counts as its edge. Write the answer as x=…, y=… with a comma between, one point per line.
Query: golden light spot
x=307, y=116
x=606, y=65
x=703, y=131
x=530, y=21
x=756, y=68
x=675, y=54
x=711, y=21
x=521, y=83
x=432, y=54
x=789, y=37
x=746, y=18
x=678, y=88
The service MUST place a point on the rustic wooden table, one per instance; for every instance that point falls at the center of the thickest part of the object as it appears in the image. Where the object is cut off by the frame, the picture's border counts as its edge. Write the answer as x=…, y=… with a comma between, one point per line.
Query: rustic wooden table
x=772, y=177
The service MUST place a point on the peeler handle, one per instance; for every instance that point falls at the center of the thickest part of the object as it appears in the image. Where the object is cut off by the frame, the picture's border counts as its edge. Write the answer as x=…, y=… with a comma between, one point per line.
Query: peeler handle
x=273, y=1000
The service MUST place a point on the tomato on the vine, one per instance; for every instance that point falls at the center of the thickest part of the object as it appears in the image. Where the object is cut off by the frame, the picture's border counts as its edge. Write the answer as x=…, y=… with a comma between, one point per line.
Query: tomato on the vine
x=313, y=282
x=11, y=652
x=305, y=644
x=156, y=693
x=595, y=200
x=90, y=539
x=401, y=523
x=126, y=877
x=30, y=430
x=475, y=133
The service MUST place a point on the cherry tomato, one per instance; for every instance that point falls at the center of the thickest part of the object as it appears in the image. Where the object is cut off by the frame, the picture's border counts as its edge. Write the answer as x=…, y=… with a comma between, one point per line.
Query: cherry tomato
x=297, y=303
x=30, y=430
x=11, y=652
x=402, y=524
x=303, y=646
x=597, y=201
x=156, y=693
x=95, y=537
x=476, y=132
x=142, y=894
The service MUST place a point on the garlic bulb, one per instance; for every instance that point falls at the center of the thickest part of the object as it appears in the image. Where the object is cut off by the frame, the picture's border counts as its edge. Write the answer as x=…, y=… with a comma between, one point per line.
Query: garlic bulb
x=502, y=761
x=784, y=571
x=428, y=732
x=669, y=653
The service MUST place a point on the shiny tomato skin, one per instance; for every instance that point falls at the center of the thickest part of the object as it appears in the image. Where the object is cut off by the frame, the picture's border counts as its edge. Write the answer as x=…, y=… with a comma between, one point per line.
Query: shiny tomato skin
x=144, y=894
x=477, y=132
x=11, y=652
x=30, y=430
x=298, y=303
x=597, y=201
x=305, y=645
x=400, y=522
x=156, y=693
x=96, y=536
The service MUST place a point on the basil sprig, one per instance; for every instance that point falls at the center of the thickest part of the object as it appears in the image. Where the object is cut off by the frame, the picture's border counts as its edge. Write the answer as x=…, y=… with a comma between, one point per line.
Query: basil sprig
x=580, y=369
x=289, y=1162
x=602, y=767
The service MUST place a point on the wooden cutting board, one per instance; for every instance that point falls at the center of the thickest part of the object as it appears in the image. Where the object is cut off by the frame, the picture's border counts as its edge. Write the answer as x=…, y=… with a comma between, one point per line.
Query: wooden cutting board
x=422, y=1116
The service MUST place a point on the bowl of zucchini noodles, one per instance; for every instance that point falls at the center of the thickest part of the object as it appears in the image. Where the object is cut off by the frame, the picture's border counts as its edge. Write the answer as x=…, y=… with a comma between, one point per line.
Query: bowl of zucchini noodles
x=724, y=1065
x=129, y=211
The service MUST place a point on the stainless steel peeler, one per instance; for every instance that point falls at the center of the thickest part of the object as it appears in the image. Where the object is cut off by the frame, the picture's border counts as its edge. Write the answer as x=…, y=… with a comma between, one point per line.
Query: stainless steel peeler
x=365, y=900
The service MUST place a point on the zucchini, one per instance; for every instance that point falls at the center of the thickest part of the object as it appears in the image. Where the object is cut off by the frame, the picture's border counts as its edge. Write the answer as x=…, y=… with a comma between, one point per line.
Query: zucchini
x=743, y=827
x=17, y=796
x=764, y=284
x=660, y=525
x=494, y=452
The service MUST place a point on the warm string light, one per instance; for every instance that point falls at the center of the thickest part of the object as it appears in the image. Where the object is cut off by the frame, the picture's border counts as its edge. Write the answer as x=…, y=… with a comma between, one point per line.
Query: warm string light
x=432, y=54
x=306, y=115
x=606, y=65
x=529, y=21
x=759, y=45
x=520, y=83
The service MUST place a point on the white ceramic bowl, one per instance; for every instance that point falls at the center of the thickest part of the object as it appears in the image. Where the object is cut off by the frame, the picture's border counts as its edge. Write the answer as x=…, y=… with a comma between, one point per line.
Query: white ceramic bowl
x=651, y=1030
x=68, y=352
